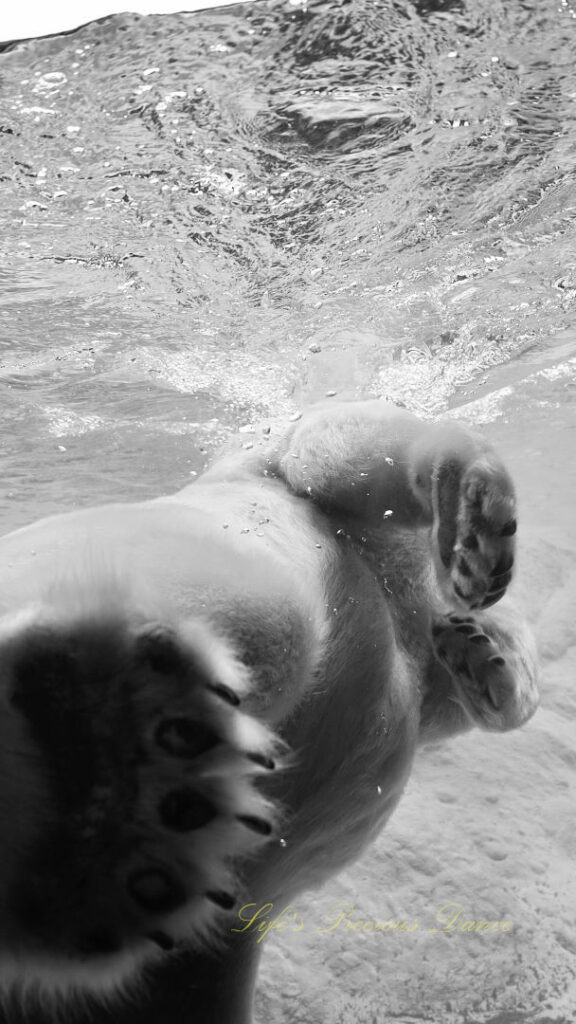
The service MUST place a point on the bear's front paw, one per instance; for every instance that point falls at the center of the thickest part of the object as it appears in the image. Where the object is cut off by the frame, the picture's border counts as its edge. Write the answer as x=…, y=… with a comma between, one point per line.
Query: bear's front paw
x=495, y=677
x=475, y=534
x=153, y=772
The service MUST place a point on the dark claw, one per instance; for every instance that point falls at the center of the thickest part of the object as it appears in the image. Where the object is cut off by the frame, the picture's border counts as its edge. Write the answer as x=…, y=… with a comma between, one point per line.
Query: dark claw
x=497, y=659
x=182, y=737
x=163, y=941
x=509, y=529
x=504, y=564
x=502, y=580
x=155, y=890
x=467, y=628
x=183, y=810
x=224, y=900
x=461, y=618
x=492, y=597
x=262, y=761
x=480, y=638
x=225, y=693
x=260, y=825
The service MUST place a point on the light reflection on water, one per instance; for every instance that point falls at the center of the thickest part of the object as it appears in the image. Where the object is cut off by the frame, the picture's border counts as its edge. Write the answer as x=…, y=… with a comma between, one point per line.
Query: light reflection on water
x=211, y=217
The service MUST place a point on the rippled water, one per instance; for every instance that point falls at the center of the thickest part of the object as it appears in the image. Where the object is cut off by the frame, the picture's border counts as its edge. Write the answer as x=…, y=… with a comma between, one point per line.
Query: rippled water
x=206, y=218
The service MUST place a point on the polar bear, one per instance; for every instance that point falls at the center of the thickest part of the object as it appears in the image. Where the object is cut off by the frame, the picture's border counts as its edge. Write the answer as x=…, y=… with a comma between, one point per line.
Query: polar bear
x=215, y=698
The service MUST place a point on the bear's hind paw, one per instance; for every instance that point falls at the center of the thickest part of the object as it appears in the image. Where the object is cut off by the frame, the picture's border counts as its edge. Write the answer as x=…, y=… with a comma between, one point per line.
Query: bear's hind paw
x=495, y=684
x=475, y=534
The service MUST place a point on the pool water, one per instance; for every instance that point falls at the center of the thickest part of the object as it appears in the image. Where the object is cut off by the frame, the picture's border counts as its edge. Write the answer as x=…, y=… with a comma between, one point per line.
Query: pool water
x=213, y=219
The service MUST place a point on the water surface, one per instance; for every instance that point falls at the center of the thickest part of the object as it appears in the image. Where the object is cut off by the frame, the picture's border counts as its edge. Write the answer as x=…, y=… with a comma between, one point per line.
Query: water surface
x=211, y=217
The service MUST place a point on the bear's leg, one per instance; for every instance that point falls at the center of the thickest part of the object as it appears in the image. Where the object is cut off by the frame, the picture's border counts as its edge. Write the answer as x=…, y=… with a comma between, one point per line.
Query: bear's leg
x=492, y=664
x=385, y=468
